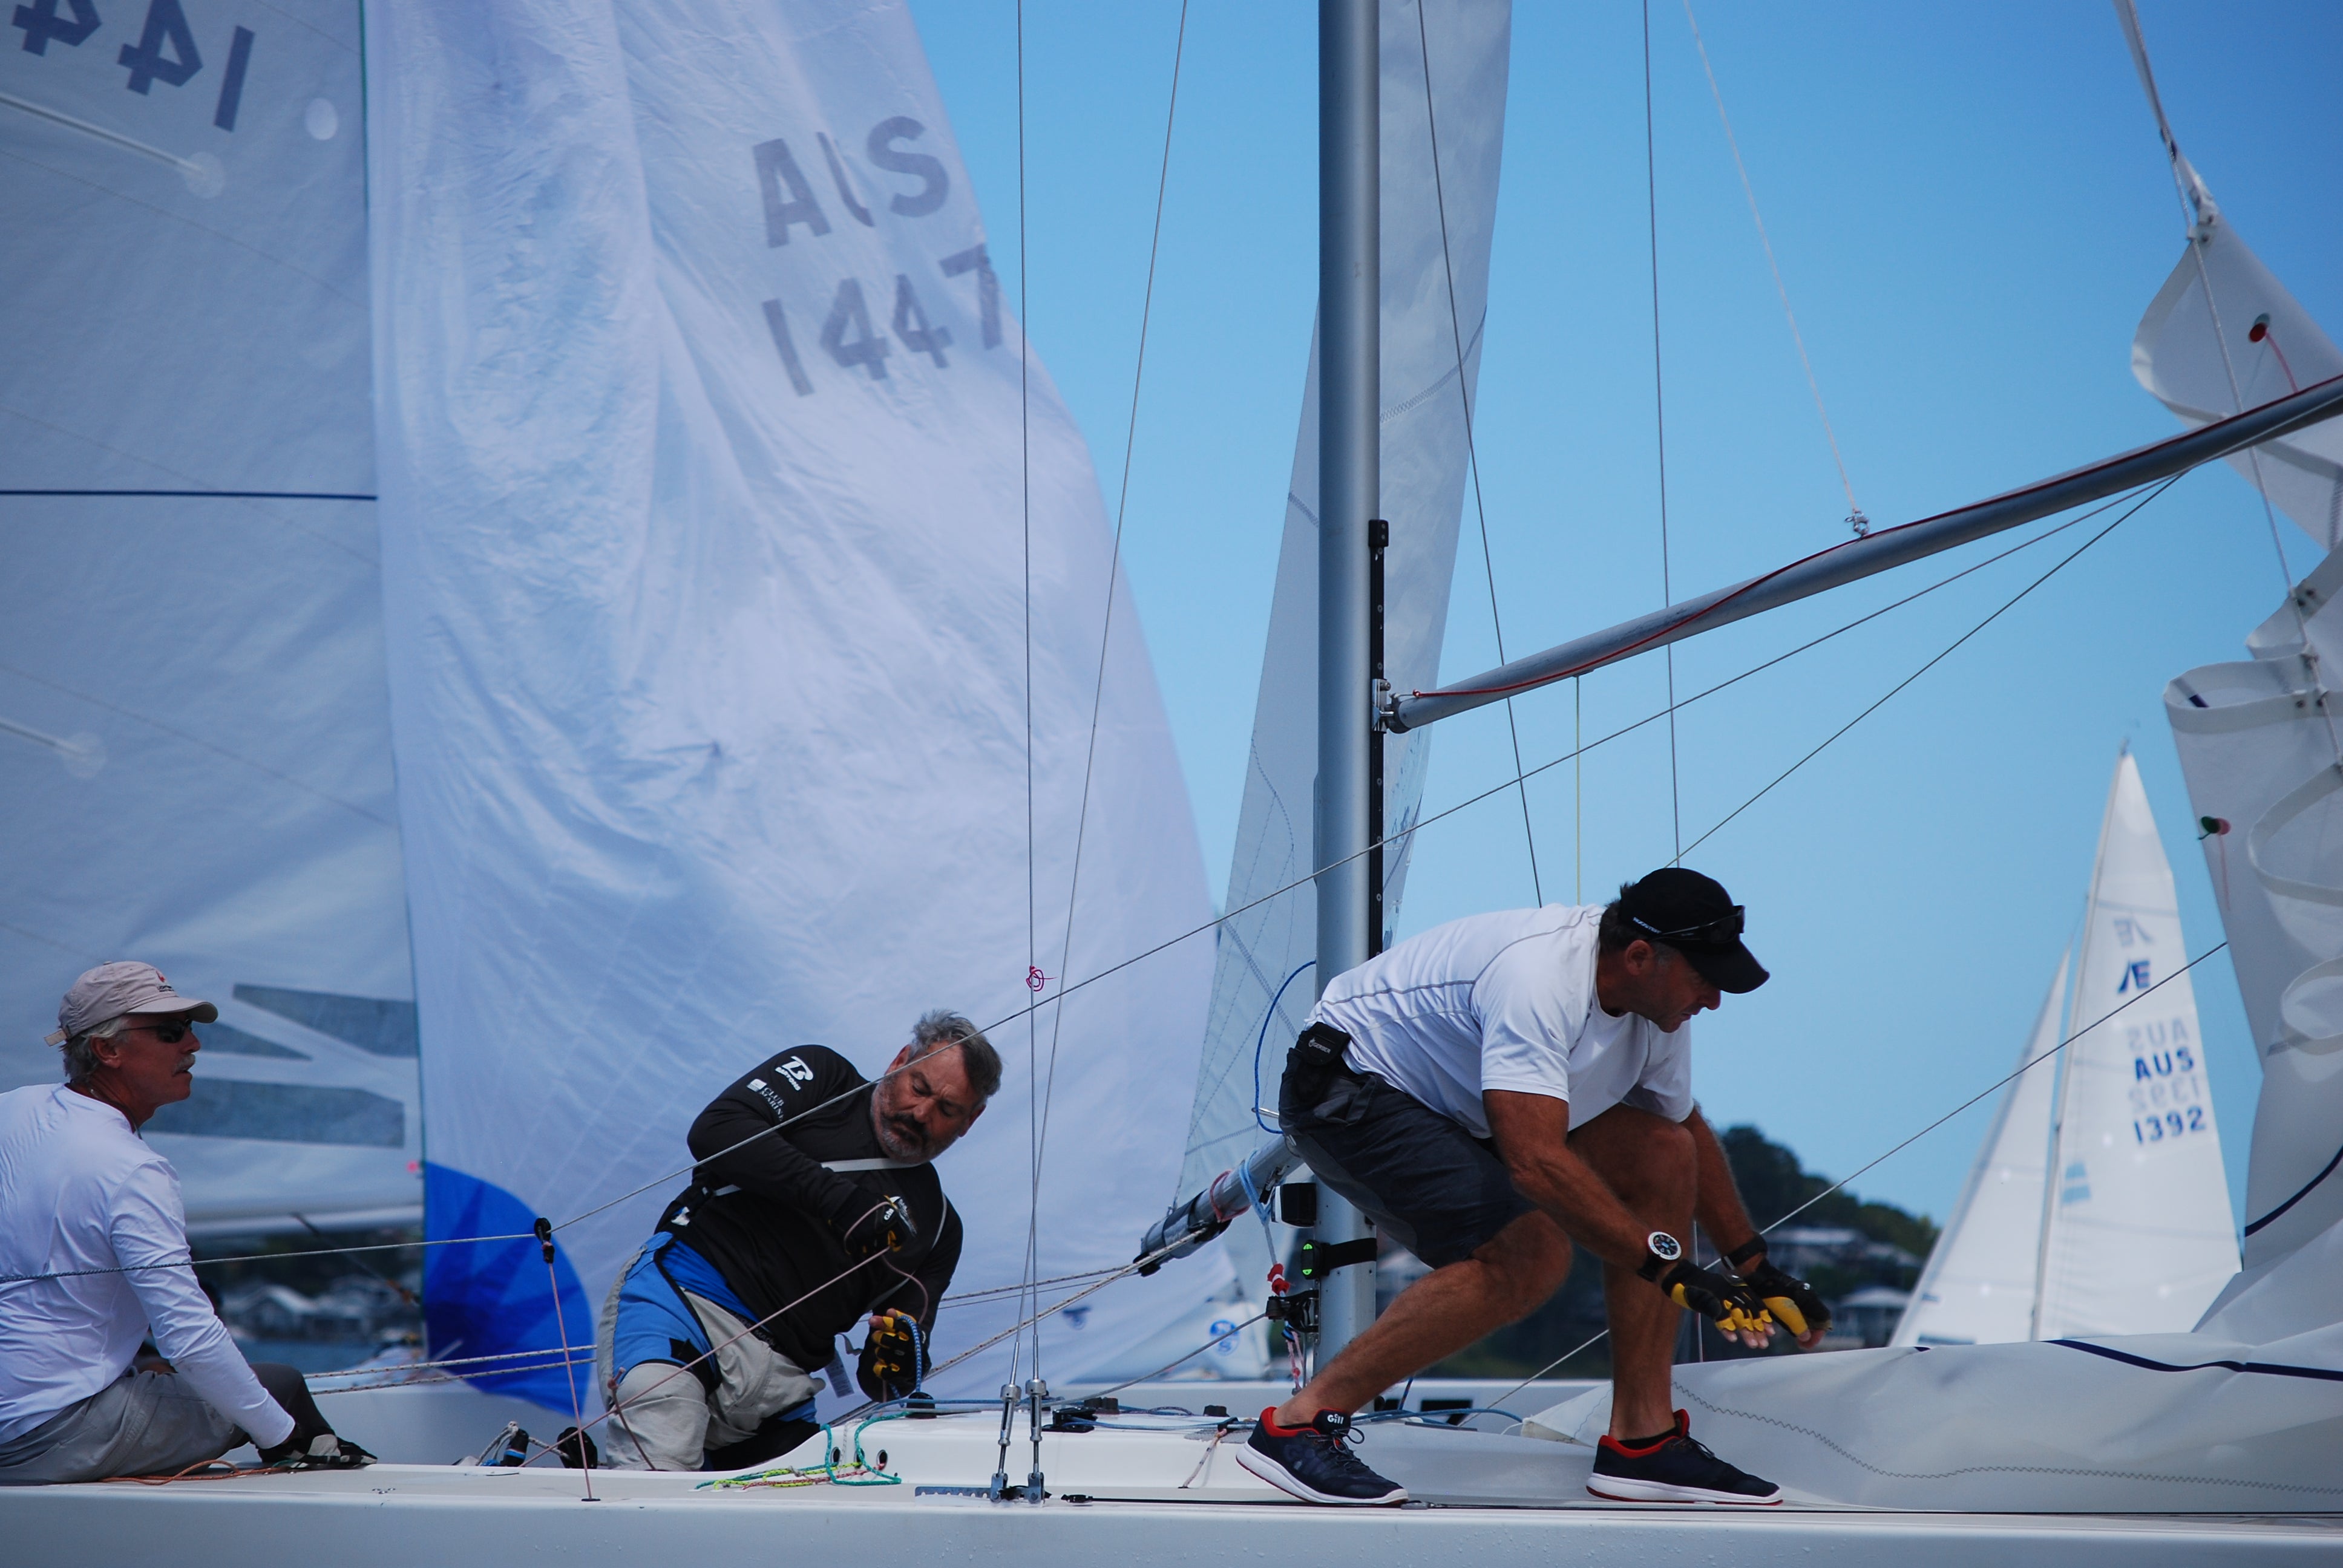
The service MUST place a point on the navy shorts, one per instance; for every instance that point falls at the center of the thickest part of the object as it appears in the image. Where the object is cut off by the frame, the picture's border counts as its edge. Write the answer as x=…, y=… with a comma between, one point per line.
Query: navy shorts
x=1425, y=1181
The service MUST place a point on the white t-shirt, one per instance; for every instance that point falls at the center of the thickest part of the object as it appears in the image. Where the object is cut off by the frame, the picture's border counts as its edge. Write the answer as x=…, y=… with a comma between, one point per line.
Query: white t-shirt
x=80, y=1190
x=1507, y=1000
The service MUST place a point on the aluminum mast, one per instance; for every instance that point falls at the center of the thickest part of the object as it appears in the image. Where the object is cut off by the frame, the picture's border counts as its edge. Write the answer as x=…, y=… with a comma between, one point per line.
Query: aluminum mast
x=1350, y=489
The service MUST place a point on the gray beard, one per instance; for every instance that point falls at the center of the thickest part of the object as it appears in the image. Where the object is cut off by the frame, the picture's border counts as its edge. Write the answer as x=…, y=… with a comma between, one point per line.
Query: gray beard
x=893, y=1143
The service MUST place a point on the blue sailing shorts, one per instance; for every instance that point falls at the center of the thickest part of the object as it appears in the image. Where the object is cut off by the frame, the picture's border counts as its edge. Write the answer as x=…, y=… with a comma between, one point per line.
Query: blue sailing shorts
x=1425, y=1181
x=655, y=1323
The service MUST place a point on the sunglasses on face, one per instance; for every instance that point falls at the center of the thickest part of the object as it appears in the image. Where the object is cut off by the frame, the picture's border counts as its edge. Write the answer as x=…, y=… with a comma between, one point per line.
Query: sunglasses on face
x=1725, y=929
x=168, y=1033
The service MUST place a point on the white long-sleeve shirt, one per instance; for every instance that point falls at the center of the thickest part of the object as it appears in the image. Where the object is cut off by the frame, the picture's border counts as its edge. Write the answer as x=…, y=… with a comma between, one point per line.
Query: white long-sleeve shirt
x=79, y=1189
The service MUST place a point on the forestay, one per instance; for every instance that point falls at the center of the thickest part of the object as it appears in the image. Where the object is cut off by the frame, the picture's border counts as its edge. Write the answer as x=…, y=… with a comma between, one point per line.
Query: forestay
x=1263, y=981
x=699, y=414
x=1978, y=1287
x=195, y=741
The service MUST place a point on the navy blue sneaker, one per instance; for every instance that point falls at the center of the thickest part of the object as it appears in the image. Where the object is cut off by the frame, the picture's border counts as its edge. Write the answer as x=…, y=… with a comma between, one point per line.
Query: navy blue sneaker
x=1675, y=1469
x=1314, y=1463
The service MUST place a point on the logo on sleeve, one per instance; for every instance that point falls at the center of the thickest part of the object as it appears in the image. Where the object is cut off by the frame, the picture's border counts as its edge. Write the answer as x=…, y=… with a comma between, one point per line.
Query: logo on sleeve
x=796, y=1070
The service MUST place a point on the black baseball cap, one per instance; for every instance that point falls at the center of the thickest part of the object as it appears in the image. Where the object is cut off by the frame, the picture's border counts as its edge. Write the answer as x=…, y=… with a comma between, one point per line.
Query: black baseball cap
x=1695, y=915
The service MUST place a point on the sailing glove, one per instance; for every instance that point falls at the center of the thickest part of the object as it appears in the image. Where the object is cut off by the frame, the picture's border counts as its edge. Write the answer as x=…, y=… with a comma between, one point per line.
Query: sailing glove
x=1720, y=1298
x=873, y=1229
x=1791, y=1300
x=890, y=1365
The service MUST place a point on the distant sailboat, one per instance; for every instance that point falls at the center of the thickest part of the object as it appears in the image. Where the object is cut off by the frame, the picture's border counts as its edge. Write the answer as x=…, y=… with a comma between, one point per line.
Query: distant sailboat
x=1978, y=1287
x=2099, y=1203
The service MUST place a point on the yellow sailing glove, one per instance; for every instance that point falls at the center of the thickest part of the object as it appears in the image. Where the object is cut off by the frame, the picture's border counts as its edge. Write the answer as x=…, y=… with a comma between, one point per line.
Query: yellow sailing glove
x=1791, y=1300
x=1720, y=1298
x=890, y=1365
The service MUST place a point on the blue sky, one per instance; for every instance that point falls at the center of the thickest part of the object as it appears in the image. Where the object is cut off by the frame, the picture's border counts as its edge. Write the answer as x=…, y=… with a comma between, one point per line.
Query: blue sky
x=1971, y=210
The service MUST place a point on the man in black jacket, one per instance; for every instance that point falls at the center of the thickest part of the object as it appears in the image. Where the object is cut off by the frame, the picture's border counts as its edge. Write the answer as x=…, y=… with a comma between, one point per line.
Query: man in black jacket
x=814, y=1203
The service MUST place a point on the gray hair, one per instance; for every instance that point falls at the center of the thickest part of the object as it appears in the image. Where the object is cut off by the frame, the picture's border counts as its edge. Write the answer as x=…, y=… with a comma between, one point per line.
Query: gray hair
x=81, y=1061
x=937, y=1029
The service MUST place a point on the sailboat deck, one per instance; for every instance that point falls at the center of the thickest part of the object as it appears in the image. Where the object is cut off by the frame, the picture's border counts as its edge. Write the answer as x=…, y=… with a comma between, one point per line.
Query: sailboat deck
x=1143, y=1492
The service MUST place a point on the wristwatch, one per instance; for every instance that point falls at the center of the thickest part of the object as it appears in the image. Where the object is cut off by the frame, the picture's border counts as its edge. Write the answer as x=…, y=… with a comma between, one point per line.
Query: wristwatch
x=1661, y=1250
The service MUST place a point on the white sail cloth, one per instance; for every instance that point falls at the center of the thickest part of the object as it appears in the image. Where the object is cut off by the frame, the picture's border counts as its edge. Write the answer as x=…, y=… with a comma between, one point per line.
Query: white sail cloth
x=1978, y=1287
x=2136, y=1232
x=195, y=741
x=2100, y=1206
x=1265, y=981
x=2218, y=1420
x=2257, y=743
x=2223, y=335
x=698, y=421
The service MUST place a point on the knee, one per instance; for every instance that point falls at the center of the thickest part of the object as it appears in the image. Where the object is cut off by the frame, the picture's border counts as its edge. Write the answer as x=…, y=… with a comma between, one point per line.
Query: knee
x=1661, y=1170
x=1527, y=1265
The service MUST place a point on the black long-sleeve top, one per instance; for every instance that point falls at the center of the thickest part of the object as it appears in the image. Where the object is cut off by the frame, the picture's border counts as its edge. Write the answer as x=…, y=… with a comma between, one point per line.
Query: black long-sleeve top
x=776, y=1238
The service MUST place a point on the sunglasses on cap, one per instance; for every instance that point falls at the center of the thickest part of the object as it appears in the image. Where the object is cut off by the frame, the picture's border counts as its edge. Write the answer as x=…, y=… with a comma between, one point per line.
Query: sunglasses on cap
x=1725, y=929
x=170, y=1033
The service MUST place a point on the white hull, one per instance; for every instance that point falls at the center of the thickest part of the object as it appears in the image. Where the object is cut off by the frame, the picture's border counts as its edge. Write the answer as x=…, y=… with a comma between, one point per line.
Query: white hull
x=1135, y=1496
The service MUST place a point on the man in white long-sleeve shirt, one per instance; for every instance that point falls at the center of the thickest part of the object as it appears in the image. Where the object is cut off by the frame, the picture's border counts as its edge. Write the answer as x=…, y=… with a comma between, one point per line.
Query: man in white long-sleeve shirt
x=94, y=1256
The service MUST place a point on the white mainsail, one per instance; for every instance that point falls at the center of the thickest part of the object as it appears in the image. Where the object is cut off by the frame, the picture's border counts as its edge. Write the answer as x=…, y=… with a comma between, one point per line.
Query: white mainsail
x=2136, y=1231
x=1978, y=1287
x=1263, y=984
x=195, y=741
x=698, y=416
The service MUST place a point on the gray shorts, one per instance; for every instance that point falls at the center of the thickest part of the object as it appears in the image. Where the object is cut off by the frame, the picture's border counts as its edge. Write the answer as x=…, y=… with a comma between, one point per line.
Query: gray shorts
x=1425, y=1181
x=143, y=1423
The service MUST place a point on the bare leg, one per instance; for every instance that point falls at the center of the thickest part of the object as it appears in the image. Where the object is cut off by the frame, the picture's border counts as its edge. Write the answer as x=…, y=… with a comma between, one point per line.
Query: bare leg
x=1649, y=1163
x=1503, y=1281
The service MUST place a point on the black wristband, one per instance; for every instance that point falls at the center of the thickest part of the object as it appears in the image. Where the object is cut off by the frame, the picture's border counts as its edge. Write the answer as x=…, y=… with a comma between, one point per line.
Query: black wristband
x=1746, y=1250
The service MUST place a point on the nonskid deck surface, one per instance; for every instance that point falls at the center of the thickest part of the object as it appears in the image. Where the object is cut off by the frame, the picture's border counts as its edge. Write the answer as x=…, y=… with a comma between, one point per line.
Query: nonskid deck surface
x=1146, y=1489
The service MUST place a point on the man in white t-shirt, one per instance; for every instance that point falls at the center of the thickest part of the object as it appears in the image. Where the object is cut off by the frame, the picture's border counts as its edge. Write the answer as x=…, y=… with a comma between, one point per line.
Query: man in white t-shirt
x=1488, y=1093
x=93, y=1257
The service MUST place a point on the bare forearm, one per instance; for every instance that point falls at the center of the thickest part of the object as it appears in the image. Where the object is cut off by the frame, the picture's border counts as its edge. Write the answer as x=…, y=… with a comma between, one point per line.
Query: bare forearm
x=1718, y=1205
x=1583, y=1204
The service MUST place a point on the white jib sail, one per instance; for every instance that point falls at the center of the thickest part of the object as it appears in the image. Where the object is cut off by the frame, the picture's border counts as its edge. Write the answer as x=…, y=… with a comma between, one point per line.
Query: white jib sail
x=1978, y=1285
x=707, y=591
x=1264, y=982
x=194, y=743
x=2136, y=1231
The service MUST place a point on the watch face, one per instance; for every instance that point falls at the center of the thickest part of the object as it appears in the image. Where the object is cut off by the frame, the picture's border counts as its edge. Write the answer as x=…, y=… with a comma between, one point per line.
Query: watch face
x=1663, y=1246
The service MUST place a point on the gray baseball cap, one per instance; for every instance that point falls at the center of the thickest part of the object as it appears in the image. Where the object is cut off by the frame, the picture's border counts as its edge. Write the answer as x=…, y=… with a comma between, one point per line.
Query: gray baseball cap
x=109, y=990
